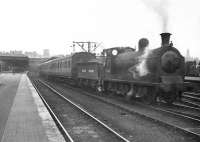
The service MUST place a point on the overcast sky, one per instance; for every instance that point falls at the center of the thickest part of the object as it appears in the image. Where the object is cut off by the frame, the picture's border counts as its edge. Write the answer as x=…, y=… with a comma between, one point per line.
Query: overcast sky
x=33, y=25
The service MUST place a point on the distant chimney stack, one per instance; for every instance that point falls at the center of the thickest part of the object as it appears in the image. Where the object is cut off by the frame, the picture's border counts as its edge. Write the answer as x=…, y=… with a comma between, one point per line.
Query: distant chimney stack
x=165, y=37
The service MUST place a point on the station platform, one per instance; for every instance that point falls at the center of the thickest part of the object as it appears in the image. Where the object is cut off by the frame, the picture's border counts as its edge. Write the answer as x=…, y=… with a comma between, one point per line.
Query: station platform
x=26, y=119
x=192, y=79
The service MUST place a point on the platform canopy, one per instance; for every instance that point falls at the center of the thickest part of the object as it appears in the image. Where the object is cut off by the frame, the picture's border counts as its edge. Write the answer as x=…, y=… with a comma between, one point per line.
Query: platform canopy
x=20, y=62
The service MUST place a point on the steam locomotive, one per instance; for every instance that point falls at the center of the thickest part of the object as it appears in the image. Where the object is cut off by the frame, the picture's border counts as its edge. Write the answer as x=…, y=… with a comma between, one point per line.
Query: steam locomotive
x=192, y=68
x=150, y=75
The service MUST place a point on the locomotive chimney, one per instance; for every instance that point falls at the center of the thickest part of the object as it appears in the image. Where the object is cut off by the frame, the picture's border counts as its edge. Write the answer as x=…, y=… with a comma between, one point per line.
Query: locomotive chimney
x=165, y=37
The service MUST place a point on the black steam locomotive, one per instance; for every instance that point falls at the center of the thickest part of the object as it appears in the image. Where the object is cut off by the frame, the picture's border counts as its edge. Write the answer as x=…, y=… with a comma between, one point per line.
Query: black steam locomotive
x=146, y=74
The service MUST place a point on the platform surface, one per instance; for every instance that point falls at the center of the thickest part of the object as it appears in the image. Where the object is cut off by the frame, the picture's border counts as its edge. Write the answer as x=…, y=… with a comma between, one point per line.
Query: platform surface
x=26, y=119
x=8, y=88
x=192, y=79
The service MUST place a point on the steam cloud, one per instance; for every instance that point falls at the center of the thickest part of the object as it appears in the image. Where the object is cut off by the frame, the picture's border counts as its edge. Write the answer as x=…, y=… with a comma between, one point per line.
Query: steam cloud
x=160, y=7
x=140, y=69
x=142, y=66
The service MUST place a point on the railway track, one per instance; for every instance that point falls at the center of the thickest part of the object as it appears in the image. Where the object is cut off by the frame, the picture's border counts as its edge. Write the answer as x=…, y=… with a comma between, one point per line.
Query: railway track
x=186, y=108
x=186, y=112
x=187, y=118
x=180, y=111
x=55, y=118
x=147, y=114
x=85, y=126
x=191, y=99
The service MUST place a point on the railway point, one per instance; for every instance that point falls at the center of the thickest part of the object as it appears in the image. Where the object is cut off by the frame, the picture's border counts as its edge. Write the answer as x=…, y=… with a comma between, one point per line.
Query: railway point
x=25, y=118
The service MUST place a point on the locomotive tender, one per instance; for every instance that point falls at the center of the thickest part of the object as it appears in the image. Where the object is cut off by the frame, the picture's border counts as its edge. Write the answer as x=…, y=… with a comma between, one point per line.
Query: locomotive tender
x=147, y=74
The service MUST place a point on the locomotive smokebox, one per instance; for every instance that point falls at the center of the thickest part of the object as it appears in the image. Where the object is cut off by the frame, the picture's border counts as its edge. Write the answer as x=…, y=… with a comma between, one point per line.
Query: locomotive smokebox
x=165, y=37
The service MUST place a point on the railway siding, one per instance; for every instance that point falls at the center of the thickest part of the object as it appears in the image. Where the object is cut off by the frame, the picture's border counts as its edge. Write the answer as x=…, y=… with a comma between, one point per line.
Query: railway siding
x=79, y=125
x=130, y=124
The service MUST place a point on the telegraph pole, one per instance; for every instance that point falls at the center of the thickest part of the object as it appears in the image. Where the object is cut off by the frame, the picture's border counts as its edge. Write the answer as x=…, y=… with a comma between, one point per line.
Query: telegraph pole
x=86, y=46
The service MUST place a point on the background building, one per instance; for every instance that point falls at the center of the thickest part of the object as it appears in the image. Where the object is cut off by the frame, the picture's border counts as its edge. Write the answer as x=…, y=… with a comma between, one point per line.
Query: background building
x=46, y=53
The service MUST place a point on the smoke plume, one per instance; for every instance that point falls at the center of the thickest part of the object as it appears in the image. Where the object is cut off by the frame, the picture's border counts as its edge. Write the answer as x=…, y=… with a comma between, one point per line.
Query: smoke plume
x=140, y=69
x=142, y=66
x=160, y=7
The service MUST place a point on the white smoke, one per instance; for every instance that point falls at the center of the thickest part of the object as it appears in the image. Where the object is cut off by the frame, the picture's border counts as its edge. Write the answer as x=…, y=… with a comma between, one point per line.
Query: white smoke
x=142, y=66
x=160, y=7
x=140, y=69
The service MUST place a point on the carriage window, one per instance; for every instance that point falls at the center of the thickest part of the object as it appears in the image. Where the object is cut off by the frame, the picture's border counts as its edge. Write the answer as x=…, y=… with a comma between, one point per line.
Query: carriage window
x=83, y=70
x=62, y=63
x=90, y=70
x=65, y=63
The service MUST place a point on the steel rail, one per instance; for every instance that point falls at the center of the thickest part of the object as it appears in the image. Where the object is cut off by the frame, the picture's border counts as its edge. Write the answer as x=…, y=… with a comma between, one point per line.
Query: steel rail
x=186, y=130
x=64, y=131
x=173, y=112
x=185, y=106
x=86, y=112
